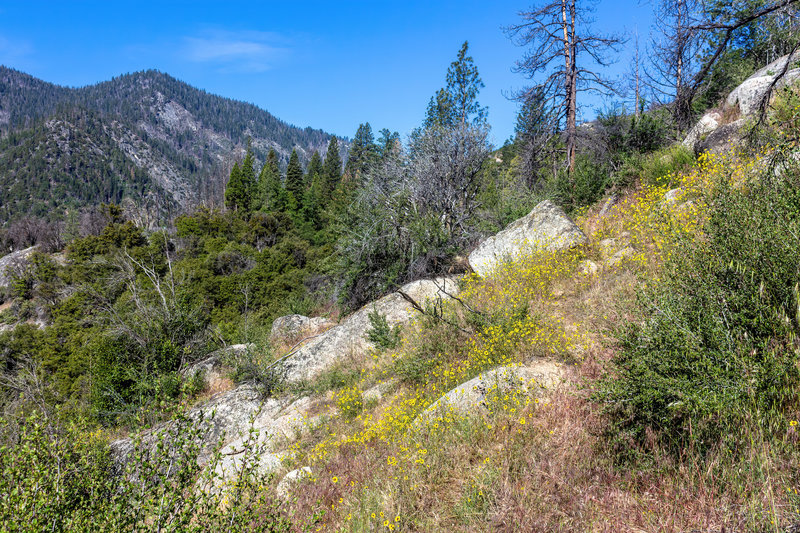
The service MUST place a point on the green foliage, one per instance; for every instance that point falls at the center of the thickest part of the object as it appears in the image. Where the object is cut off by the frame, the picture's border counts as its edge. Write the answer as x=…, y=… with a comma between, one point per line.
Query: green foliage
x=332, y=167
x=271, y=194
x=658, y=167
x=457, y=103
x=380, y=333
x=236, y=192
x=294, y=177
x=255, y=366
x=363, y=151
x=442, y=342
x=586, y=185
x=63, y=478
x=716, y=353
x=784, y=122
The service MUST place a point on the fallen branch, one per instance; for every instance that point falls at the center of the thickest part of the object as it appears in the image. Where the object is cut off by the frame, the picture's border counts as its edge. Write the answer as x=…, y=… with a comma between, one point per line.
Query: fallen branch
x=437, y=316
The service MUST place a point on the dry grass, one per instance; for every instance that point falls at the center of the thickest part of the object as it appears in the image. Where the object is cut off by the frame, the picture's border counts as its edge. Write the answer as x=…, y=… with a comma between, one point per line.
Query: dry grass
x=531, y=465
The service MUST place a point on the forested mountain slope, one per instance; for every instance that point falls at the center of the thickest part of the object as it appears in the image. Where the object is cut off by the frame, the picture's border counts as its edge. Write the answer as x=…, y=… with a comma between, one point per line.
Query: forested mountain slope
x=145, y=136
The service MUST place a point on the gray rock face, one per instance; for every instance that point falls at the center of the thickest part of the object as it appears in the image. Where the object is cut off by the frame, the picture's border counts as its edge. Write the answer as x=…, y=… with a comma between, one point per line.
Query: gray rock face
x=749, y=94
x=704, y=126
x=722, y=139
x=290, y=479
x=589, y=267
x=375, y=394
x=471, y=396
x=349, y=337
x=294, y=326
x=709, y=134
x=620, y=256
x=546, y=227
x=211, y=365
x=608, y=205
x=225, y=415
x=11, y=260
x=229, y=468
x=672, y=196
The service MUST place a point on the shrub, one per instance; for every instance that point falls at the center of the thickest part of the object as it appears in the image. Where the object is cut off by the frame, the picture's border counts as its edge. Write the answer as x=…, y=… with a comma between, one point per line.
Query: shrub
x=716, y=351
x=585, y=186
x=349, y=402
x=63, y=478
x=255, y=366
x=659, y=167
x=380, y=333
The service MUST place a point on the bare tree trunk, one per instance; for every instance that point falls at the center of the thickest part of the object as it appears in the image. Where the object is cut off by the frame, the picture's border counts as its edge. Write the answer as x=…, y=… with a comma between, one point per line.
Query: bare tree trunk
x=571, y=78
x=637, y=80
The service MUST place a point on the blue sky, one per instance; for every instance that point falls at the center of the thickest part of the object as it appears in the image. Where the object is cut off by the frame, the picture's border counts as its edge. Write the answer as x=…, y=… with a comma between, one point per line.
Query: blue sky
x=329, y=65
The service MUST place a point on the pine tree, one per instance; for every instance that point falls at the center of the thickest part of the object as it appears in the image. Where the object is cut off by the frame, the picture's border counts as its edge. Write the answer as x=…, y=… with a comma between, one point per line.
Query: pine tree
x=363, y=151
x=313, y=200
x=248, y=177
x=463, y=86
x=314, y=168
x=457, y=103
x=272, y=195
x=440, y=111
x=294, y=177
x=332, y=168
x=235, y=192
x=388, y=143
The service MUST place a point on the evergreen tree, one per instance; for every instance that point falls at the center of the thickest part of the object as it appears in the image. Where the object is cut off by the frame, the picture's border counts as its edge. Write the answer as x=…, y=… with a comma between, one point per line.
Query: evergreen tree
x=440, y=111
x=332, y=168
x=463, y=86
x=271, y=193
x=314, y=168
x=313, y=200
x=363, y=151
x=294, y=177
x=457, y=103
x=236, y=191
x=248, y=178
x=388, y=143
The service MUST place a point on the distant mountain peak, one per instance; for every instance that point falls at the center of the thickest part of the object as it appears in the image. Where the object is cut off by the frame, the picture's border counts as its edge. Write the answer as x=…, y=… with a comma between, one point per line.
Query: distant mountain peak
x=160, y=136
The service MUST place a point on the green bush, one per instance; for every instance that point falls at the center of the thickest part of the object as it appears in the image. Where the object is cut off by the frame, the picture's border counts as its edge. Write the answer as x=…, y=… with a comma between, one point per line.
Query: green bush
x=255, y=366
x=380, y=333
x=716, y=354
x=63, y=478
x=442, y=342
x=584, y=186
x=659, y=167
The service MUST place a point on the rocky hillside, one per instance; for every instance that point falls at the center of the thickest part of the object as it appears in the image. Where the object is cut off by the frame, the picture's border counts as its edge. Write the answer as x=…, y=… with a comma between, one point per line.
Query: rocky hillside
x=144, y=136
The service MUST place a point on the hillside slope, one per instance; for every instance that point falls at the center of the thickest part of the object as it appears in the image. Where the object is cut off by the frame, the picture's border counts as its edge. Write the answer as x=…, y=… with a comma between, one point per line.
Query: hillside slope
x=180, y=141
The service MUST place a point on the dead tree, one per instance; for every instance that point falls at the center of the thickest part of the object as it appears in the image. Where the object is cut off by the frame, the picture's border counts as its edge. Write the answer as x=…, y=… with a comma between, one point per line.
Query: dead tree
x=685, y=28
x=562, y=58
x=675, y=44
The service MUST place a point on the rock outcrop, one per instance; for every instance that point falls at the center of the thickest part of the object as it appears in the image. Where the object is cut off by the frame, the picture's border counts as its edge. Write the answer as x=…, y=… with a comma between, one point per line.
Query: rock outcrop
x=290, y=479
x=750, y=93
x=11, y=260
x=707, y=124
x=349, y=337
x=722, y=138
x=712, y=134
x=212, y=365
x=292, y=327
x=546, y=227
x=471, y=396
x=225, y=415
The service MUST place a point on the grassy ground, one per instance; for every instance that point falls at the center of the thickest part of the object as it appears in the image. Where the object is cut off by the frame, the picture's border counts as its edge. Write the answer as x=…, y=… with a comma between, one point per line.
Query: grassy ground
x=528, y=463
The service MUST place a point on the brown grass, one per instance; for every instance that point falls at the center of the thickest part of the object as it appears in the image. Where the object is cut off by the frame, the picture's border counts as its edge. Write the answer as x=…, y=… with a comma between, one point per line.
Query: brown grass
x=555, y=472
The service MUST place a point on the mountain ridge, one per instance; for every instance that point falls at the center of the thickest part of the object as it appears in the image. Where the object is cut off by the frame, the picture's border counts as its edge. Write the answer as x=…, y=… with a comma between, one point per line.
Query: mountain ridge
x=184, y=139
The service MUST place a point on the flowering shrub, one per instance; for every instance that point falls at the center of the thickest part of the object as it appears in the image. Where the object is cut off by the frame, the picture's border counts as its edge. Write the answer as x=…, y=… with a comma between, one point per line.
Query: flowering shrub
x=716, y=349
